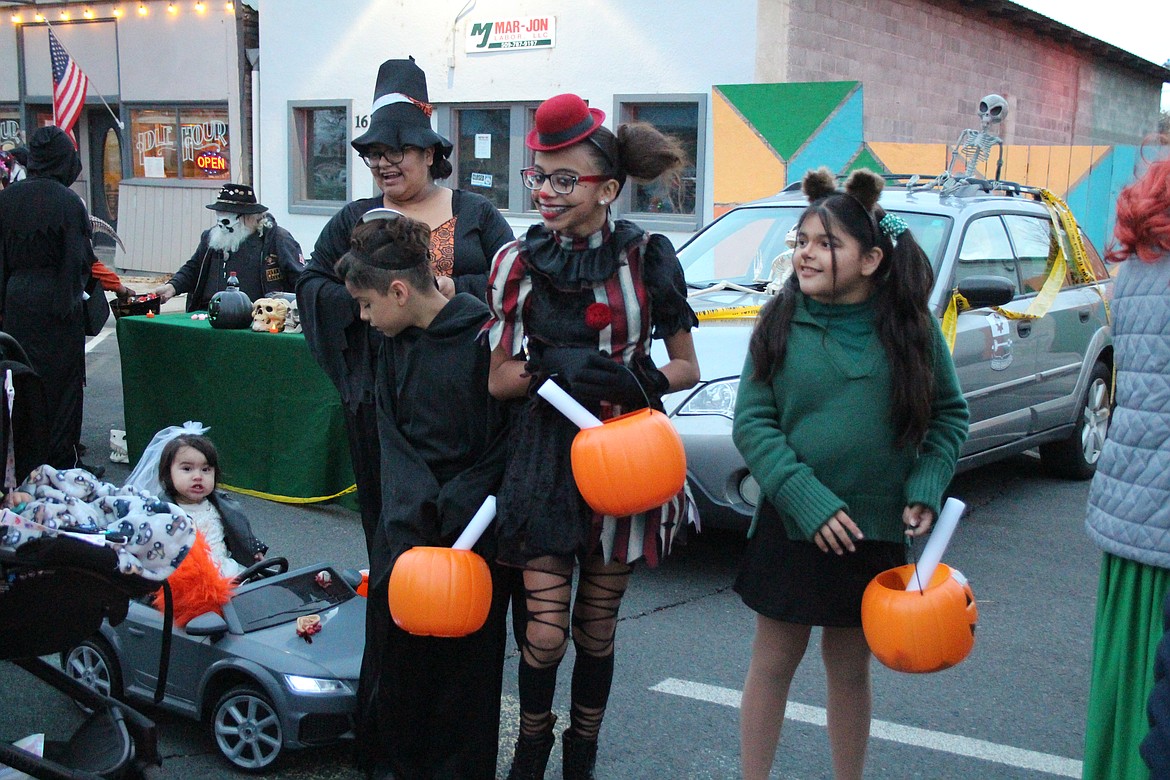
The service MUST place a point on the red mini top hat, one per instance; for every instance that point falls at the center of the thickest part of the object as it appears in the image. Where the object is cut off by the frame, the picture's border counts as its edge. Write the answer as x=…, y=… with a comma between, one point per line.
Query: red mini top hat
x=562, y=121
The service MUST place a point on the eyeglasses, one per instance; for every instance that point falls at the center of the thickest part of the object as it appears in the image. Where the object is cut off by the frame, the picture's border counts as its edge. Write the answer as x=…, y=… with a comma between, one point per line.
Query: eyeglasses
x=393, y=156
x=562, y=183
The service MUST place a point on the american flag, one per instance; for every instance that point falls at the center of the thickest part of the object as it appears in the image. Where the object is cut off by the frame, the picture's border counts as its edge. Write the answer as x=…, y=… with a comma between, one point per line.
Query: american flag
x=69, y=87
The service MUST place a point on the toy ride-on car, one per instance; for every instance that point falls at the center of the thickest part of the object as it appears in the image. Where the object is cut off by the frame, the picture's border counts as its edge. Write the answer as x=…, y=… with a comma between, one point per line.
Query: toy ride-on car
x=277, y=669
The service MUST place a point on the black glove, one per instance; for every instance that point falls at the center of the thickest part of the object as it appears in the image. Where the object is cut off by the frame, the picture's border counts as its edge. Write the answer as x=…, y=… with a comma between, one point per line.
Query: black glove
x=560, y=364
x=603, y=379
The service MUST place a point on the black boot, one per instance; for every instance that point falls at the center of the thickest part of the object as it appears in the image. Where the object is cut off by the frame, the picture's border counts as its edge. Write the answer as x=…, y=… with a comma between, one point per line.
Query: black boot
x=579, y=756
x=531, y=756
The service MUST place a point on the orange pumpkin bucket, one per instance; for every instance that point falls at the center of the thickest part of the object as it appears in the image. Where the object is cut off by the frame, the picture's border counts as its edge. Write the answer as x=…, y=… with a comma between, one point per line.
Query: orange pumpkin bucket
x=919, y=631
x=626, y=465
x=441, y=591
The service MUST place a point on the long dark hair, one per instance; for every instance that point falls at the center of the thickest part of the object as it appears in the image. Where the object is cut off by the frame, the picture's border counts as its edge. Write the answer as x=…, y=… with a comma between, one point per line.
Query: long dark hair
x=902, y=286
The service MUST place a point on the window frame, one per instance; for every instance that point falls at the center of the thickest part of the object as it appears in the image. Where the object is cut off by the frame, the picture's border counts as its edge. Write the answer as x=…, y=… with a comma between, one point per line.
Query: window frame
x=13, y=112
x=177, y=107
x=520, y=122
x=680, y=223
x=297, y=166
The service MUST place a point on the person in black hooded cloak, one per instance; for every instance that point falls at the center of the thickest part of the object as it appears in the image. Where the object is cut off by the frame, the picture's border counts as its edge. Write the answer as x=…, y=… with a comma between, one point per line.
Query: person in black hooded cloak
x=45, y=259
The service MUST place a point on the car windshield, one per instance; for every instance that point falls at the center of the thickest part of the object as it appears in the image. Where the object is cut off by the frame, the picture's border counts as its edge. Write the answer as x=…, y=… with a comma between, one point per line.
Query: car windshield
x=742, y=246
x=287, y=599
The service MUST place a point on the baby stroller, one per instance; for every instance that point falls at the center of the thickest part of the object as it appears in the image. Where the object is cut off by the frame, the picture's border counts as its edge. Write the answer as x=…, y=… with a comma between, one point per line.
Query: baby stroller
x=54, y=592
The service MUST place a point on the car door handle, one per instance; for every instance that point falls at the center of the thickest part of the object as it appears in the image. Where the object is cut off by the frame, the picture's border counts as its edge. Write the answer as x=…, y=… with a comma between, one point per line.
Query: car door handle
x=1024, y=329
x=135, y=631
x=1084, y=315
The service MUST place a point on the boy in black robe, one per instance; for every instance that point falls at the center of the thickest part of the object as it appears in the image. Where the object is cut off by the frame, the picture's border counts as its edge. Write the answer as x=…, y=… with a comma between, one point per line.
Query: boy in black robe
x=428, y=708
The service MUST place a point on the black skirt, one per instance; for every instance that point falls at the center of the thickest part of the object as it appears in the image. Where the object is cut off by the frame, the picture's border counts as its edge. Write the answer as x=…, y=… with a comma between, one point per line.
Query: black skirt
x=793, y=581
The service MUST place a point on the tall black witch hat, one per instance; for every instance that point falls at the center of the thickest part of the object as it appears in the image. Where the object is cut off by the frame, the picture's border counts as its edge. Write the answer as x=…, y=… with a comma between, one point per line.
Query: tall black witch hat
x=401, y=113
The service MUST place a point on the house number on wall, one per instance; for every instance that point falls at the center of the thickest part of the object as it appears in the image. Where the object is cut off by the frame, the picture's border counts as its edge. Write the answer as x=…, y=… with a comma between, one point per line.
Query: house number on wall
x=363, y=120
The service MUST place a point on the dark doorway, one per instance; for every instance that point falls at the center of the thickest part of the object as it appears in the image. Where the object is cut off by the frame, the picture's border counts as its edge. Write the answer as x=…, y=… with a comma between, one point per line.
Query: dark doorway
x=105, y=168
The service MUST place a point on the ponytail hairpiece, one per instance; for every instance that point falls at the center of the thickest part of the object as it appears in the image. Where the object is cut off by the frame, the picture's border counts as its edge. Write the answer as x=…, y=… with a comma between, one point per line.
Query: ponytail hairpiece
x=893, y=226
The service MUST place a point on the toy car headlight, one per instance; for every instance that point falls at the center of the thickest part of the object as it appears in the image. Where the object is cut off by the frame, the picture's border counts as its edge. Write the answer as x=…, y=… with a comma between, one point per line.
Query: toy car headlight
x=300, y=684
x=713, y=398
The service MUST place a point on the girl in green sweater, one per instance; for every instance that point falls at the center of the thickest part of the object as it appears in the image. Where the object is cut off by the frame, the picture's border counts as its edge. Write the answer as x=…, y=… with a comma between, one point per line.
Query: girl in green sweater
x=852, y=441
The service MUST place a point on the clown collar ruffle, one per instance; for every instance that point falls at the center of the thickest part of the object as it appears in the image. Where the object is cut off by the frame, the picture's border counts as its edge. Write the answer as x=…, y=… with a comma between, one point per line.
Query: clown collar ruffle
x=569, y=261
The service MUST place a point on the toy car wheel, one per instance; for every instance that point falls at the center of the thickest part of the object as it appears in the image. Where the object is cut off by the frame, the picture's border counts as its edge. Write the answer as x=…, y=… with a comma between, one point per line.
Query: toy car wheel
x=94, y=664
x=1076, y=457
x=247, y=728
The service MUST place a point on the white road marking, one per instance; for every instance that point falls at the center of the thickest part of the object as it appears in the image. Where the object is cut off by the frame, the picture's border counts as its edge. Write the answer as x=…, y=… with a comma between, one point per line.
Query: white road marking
x=93, y=341
x=893, y=732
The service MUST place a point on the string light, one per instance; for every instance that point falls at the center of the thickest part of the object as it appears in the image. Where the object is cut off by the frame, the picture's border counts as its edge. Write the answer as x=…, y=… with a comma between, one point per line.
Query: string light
x=65, y=15
x=117, y=12
x=142, y=9
x=16, y=19
x=38, y=17
x=199, y=7
x=87, y=13
x=230, y=6
x=170, y=8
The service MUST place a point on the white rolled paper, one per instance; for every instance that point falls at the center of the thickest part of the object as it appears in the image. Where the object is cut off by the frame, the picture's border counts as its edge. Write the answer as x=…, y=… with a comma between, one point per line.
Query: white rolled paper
x=479, y=523
x=940, y=537
x=567, y=405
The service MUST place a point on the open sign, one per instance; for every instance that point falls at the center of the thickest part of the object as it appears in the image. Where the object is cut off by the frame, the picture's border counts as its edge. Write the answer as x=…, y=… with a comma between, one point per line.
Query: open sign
x=212, y=163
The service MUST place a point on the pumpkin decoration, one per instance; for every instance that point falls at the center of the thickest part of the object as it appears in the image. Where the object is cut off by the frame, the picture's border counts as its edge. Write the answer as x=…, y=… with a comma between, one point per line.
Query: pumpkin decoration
x=919, y=631
x=440, y=591
x=230, y=309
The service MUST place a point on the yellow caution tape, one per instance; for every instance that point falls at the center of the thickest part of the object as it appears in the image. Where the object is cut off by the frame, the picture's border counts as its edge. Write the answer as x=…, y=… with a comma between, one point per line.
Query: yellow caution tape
x=950, y=320
x=289, y=499
x=729, y=313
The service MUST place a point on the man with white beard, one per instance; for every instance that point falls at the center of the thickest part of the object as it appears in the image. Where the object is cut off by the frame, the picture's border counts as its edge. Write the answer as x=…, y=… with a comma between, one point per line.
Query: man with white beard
x=245, y=240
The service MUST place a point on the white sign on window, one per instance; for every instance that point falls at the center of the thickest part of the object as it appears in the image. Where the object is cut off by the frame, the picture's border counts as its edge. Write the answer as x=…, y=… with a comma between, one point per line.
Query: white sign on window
x=153, y=168
x=481, y=180
x=529, y=32
x=483, y=146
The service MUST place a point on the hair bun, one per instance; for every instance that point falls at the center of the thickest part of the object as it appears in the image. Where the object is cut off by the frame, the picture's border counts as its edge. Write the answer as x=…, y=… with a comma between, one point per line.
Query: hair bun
x=866, y=186
x=818, y=184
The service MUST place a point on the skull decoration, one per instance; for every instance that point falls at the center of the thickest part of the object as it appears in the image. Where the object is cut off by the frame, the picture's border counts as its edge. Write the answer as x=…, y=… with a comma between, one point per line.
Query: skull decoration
x=269, y=315
x=292, y=323
x=992, y=110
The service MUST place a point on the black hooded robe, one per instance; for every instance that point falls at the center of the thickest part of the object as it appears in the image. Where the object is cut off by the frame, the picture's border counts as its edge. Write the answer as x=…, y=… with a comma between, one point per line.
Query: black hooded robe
x=429, y=708
x=45, y=257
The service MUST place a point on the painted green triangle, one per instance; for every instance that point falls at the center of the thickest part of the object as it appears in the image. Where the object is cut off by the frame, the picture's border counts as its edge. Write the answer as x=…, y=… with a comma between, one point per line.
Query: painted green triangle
x=787, y=114
x=866, y=159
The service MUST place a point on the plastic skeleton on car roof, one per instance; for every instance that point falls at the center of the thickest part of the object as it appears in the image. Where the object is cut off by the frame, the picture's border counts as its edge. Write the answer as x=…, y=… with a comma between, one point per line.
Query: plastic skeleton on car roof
x=974, y=146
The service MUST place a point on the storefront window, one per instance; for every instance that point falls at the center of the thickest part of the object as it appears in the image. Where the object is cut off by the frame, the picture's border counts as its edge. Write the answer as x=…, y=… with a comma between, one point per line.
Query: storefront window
x=483, y=152
x=203, y=141
x=183, y=142
x=320, y=163
x=10, y=128
x=673, y=194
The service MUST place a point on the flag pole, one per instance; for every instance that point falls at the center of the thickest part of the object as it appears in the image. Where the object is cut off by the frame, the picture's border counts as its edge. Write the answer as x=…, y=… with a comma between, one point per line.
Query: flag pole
x=117, y=119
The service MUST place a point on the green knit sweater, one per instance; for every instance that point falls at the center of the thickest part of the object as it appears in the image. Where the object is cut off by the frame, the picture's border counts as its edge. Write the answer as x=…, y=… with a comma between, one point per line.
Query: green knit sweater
x=819, y=437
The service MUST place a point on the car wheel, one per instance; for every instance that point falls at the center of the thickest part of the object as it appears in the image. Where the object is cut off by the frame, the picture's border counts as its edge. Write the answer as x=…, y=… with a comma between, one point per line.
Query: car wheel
x=247, y=728
x=1076, y=457
x=94, y=665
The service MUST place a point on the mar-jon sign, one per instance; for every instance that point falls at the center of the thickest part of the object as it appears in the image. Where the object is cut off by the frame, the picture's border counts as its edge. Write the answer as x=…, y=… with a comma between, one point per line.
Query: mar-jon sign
x=526, y=32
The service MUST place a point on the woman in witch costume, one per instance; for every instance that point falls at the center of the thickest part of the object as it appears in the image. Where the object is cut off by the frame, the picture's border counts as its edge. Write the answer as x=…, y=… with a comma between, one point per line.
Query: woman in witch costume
x=578, y=299
x=406, y=158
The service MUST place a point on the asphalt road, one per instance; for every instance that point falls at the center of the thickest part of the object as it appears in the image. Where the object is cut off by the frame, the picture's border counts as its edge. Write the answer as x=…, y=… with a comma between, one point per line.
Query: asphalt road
x=1014, y=709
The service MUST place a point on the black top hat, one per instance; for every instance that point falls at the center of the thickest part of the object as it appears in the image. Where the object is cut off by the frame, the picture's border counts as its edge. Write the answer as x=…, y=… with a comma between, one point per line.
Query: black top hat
x=237, y=199
x=401, y=114
x=562, y=121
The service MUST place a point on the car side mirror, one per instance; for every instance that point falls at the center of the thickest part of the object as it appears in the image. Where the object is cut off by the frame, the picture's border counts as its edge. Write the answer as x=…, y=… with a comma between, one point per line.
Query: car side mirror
x=209, y=624
x=984, y=291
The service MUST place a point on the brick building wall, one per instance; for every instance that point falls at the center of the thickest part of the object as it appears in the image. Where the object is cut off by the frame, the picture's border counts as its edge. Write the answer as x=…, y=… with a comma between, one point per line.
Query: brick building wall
x=925, y=65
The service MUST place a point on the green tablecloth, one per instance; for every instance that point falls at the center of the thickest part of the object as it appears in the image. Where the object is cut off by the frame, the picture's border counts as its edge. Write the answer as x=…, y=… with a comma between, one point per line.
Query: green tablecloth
x=274, y=416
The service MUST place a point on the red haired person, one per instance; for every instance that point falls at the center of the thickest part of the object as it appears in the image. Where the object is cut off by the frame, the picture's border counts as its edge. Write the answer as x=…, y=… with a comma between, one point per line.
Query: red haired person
x=1128, y=515
x=578, y=299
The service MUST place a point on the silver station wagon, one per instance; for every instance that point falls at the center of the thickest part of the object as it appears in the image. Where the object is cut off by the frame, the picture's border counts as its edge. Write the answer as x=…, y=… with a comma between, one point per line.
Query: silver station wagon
x=1031, y=381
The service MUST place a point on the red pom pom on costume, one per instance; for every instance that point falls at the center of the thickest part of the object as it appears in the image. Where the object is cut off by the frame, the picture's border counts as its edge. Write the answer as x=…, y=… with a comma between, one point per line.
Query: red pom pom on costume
x=197, y=586
x=598, y=316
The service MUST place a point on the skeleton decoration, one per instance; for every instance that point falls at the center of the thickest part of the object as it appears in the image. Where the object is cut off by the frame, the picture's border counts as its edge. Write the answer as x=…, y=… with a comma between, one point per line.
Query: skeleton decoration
x=974, y=146
x=269, y=315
